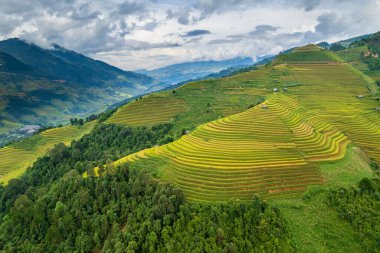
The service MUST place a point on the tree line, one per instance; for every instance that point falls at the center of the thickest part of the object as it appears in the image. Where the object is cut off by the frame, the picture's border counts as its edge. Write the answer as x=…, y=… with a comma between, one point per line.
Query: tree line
x=360, y=206
x=106, y=143
x=126, y=210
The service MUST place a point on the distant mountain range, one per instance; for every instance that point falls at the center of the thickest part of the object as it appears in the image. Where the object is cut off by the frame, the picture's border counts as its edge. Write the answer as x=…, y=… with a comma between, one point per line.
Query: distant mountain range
x=180, y=72
x=40, y=86
x=219, y=74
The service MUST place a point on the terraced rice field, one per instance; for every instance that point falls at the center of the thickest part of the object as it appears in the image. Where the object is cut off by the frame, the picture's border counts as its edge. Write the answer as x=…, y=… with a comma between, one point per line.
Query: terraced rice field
x=275, y=149
x=309, y=53
x=267, y=151
x=14, y=159
x=196, y=103
x=148, y=111
x=331, y=91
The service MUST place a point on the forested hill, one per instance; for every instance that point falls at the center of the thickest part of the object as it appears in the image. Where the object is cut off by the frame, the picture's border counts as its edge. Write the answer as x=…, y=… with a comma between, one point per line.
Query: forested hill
x=46, y=86
x=60, y=63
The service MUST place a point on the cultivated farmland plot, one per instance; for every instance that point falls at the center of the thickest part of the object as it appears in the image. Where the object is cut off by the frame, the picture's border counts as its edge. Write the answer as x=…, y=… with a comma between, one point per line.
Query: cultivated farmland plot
x=274, y=148
x=16, y=158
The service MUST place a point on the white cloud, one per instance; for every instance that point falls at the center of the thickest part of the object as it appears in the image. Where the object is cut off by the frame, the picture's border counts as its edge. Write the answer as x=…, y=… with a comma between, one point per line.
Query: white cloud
x=134, y=34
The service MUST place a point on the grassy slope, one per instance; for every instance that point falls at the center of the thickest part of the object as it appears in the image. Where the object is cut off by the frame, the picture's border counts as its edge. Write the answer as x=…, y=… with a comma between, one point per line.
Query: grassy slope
x=14, y=159
x=29, y=100
x=49, y=86
x=353, y=56
x=197, y=103
x=261, y=151
x=140, y=112
x=315, y=227
x=327, y=89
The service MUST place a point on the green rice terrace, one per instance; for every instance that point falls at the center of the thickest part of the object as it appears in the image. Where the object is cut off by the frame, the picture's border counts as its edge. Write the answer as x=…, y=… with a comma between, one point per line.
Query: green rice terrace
x=15, y=158
x=140, y=112
x=315, y=106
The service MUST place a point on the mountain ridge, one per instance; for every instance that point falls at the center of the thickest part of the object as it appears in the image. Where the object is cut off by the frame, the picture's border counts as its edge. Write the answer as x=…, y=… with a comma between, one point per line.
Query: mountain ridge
x=192, y=70
x=48, y=86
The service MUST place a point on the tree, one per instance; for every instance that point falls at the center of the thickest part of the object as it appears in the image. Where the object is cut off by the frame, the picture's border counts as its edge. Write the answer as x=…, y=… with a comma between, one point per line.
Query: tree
x=337, y=47
x=76, y=154
x=58, y=153
x=22, y=203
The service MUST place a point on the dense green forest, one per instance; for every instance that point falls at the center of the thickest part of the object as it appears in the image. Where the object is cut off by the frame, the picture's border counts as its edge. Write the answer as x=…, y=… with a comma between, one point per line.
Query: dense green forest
x=360, y=206
x=52, y=208
x=106, y=143
x=129, y=210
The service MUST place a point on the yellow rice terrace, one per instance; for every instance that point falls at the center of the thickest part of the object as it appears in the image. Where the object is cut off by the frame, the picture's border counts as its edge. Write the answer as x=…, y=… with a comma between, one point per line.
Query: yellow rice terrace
x=315, y=106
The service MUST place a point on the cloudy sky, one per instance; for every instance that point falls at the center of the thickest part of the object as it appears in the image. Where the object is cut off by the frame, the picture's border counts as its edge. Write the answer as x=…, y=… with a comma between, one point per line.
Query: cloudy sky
x=136, y=34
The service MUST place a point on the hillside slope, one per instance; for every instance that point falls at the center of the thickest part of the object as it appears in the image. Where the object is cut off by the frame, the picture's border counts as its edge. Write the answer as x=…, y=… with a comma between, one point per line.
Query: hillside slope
x=60, y=63
x=363, y=54
x=312, y=118
x=46, y=86
x=15, y=158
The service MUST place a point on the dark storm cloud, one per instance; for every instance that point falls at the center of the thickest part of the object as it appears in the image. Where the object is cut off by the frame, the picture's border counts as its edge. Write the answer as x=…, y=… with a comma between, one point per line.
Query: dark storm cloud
x=194, y=33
